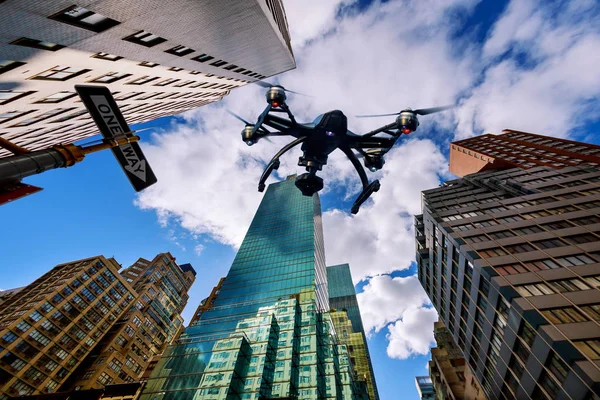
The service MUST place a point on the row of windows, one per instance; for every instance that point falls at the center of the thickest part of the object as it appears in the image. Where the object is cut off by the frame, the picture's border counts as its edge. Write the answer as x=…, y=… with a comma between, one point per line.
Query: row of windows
x=86, y=19
x=543, y=264
x=559, y=286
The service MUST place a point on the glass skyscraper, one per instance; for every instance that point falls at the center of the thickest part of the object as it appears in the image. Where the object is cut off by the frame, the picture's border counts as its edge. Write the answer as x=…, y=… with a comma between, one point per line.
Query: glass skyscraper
x=268, y=333
x=342, y=299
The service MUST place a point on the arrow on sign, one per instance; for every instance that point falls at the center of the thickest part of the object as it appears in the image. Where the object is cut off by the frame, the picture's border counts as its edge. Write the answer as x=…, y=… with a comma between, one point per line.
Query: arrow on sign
x=134, y=165
x=105, y=111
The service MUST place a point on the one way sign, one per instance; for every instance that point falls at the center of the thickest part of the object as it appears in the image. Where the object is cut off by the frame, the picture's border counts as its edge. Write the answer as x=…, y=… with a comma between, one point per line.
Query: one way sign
x=103, y=108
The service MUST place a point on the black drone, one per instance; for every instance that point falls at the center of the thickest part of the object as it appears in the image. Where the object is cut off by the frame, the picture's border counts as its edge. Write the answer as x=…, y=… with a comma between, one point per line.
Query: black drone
x=326, y=133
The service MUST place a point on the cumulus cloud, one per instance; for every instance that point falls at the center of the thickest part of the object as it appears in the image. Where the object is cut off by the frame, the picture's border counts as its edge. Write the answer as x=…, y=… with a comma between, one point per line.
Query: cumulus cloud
x=385, y=299
x=413, y=334
x=539, y=71
x=380, y=238
x=535, y=71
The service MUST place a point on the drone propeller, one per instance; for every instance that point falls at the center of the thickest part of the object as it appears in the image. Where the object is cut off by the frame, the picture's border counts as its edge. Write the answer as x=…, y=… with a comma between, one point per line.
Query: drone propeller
x=238, y=117
x=420, y=111
x=246, y=122
x=269, y=86
x=426, y=111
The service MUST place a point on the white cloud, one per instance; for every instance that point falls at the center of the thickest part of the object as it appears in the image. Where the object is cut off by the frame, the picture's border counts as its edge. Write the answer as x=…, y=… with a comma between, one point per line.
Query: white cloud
x=540, y=74
x=413, y=334
x=199, y=248
x=380, y=239
x=308, y=19
x=385, y=299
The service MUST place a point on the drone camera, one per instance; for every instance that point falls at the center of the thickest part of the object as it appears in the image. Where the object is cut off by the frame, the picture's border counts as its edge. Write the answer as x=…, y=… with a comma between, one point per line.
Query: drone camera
x=309, y=184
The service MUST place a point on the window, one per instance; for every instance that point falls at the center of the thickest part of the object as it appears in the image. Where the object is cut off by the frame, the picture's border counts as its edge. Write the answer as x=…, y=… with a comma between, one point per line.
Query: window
x=41, y=117
x=553, y=226
x=88, y=375
x=218, y=63
x=166, y=82
x=7, y=65
x=37, y=44
x=142, y=80
x=568, y=285
x=537, y=289
x=145, y=39
x=579, y=239
x=22, y=326
x=565, y=315
x=549, y=243
x=520, y=248
x=148, y=64
x=558, y=367
x=9, y=337
x=60, y=73
x=115, y=365
x=180, y=51
x=110, y=77
x=591, y=219
x=84, y=18
x=120, y=341
x=203, y=58
x=106, y=56
x=39, y=338
x=104, y=379
x=578, y=259
x=528, y=230
x=6, y=96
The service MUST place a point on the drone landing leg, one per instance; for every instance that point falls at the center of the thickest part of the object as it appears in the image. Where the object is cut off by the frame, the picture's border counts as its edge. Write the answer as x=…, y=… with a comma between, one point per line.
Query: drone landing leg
x=274, y=163
x=368, y=189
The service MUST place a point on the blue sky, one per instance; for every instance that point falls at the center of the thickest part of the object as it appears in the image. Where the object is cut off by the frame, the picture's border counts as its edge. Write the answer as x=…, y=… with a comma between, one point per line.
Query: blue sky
x=522, y=64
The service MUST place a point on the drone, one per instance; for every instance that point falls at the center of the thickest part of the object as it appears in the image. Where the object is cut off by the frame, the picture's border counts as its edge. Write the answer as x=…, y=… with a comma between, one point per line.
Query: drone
x=320, y=138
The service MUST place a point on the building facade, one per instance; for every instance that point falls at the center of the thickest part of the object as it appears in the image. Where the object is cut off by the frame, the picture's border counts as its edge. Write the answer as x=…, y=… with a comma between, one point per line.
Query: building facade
x=425, y=388
x=146, y=328
x=84, y=325
x=50, y=326
x=451, y=377
x=267, y=332
x=511, y=261
x=158, y=59
x=515, y=149
x=342, y=300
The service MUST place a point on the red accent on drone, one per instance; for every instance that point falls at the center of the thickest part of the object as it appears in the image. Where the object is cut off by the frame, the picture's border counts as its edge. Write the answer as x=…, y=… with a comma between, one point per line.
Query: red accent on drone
x=407, y=131
x=275, y=104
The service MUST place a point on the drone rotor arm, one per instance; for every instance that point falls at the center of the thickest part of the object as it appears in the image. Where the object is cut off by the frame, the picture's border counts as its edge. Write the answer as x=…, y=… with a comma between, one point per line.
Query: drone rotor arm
x=274, y=163
x=359, y=168
x=384, y=129
x=363, y=142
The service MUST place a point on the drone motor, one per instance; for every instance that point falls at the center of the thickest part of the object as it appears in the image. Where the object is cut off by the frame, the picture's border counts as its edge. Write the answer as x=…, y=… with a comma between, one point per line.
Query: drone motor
x=248, y=135
x=407, y=121
x=374, y=159
x=276, y=96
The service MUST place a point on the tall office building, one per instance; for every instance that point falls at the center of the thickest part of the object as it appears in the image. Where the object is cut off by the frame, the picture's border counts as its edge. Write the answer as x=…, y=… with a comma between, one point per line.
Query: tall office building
x=145, y=329
x=514, y=149
x=450, y=375
x=267, y=333
x=425, y=388
x=49, y=327
x=511, y=261
x=158, y=59
x=84, y=326
x=342, y=298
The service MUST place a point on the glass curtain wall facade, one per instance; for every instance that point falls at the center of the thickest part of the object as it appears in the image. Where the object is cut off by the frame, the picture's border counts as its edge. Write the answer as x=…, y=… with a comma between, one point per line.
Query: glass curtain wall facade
x=342, y=298
x=267, y=333
x=511, y=261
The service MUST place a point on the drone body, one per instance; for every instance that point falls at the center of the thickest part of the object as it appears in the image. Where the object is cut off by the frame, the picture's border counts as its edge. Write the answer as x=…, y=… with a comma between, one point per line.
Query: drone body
x=320, y=138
